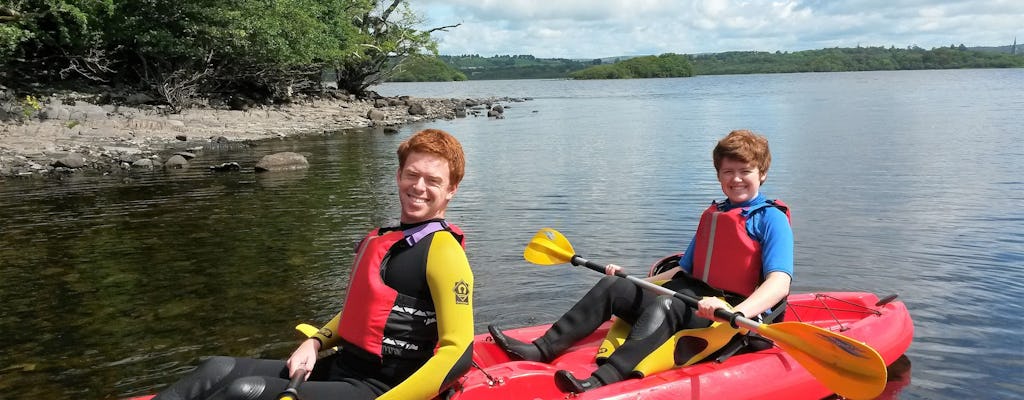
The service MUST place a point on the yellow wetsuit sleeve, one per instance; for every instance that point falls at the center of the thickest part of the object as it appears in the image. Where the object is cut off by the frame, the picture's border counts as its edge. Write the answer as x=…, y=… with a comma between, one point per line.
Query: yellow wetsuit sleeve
x=451, y=287
x=327, y=334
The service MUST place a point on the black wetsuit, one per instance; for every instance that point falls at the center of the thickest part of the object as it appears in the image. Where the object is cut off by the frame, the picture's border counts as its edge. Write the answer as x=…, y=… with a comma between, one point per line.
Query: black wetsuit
x=430, y=269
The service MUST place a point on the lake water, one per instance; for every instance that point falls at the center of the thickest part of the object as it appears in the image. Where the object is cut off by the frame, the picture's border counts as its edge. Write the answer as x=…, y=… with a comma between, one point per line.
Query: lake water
x=899, y=182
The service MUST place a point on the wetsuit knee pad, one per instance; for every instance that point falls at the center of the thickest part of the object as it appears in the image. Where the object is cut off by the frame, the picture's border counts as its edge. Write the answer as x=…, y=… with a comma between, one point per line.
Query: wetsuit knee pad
x=217, y=367
x=653, y=318
x=245, y=388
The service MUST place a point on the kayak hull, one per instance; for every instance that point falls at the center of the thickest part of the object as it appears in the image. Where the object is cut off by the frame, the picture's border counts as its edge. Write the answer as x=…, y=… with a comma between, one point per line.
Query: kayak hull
x=766, y=374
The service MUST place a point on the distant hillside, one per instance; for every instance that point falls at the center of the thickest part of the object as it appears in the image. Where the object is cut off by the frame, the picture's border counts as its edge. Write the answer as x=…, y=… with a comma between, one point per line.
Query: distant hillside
x=1011, y=49
x=515, y=67
x=475, y=67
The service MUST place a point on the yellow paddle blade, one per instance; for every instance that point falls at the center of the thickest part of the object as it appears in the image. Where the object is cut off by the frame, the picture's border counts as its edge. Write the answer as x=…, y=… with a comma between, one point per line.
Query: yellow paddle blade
x=848, y=367
x=306, y=329
x=548, y=247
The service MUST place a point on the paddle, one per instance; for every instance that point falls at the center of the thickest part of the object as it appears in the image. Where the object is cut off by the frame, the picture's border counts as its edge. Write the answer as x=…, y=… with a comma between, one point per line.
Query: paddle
x=848, y=367
x=292, y=391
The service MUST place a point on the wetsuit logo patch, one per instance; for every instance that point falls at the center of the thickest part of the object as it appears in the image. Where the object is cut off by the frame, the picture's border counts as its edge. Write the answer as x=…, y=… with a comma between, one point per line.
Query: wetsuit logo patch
x=461, y=292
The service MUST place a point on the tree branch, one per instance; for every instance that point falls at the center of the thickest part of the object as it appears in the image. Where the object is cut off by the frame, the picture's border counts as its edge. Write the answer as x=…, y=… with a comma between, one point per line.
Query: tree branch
x=387, y=13
x=443, y=28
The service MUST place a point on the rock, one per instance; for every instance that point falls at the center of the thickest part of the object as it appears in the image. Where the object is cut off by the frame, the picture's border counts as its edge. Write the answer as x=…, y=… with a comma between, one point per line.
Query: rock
x=417, y=109
x=143, y=163
x=55, y=110
x=187, y=155
x=375, y=115
x=119, y=134
x=83, y=111
x=139, y=98
x=284, y=161
x=176, y=162
x=72, y=160
x=228, y=166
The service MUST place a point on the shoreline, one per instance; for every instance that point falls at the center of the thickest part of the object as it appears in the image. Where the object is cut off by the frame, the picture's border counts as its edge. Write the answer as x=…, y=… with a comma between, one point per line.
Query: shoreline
x=83, y=138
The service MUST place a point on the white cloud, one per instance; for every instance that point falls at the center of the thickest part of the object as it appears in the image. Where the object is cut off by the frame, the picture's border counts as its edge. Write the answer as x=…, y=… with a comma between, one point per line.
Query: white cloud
x=603, y=28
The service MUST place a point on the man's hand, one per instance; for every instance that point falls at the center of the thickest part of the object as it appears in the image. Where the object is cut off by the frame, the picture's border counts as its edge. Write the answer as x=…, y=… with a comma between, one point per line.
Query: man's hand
x=304, y=357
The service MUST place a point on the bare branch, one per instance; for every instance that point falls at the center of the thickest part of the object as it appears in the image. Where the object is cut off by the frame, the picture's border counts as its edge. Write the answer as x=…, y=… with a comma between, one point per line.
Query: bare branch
x=391, y=8
x=180, y=87
x=91, y=66
x=443, y=28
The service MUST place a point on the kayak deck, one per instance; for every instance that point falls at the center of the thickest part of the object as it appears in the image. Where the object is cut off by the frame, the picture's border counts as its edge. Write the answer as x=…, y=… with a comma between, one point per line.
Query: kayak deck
x=770, y=373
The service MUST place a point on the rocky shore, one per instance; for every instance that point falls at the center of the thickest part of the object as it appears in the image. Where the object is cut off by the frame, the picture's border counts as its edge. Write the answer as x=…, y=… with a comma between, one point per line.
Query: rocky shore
x=68, y=135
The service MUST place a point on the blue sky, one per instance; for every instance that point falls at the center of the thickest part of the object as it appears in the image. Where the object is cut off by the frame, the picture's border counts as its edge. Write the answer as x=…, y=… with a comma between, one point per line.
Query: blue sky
x=607, y=28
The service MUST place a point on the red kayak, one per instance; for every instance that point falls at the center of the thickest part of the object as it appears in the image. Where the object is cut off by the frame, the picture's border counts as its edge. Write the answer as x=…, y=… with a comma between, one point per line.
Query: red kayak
x=884, y=325
x=770, y=373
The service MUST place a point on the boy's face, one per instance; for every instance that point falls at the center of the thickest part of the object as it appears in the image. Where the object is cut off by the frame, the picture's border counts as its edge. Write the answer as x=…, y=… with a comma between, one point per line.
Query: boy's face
x=740, y=181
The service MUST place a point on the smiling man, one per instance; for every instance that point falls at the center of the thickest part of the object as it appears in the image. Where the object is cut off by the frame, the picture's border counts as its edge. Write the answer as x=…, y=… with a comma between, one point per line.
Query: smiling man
x=406, y=328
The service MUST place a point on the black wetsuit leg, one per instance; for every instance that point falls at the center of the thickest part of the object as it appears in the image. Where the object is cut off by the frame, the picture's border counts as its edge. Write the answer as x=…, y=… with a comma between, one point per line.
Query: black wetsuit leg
x=610, y=296
x=227, y=378
x=660, y=320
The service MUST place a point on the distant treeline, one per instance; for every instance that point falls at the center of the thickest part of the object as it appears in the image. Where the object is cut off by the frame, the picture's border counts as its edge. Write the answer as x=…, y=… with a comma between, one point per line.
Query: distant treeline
x=667, y=65
x=852, y=59
x=475, y=67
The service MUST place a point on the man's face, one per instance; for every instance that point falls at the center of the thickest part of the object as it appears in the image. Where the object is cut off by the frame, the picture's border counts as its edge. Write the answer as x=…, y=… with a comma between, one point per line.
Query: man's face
x=424, y=187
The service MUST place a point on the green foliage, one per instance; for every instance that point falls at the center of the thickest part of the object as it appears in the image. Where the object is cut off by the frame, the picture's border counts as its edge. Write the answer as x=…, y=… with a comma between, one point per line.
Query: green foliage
x=30, y=106
x=667, y=65
x=185, y=48
x=851, y=59
x=426, y=69
x=254, y=47
x=384, y=31
x=10, y=37
x=52, y=39
x=513, y=66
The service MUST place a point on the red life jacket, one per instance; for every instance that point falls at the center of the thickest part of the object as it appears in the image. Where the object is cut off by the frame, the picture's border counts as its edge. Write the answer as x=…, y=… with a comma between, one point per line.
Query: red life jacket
x=372, y=307
x=725, y=256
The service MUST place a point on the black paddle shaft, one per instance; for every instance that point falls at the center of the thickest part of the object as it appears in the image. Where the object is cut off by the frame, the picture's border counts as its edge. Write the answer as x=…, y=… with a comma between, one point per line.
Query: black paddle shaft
x=721, y=313
x=292, y=392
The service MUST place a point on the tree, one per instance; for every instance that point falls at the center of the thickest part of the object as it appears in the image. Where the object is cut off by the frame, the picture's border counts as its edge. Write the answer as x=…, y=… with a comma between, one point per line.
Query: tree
x=54, y=39
x=421, y=68
x=667, y=65
x=384, y=37
x=251, y=49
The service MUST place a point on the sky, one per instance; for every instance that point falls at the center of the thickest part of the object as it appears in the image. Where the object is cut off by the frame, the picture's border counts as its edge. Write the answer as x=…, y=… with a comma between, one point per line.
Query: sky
x=587, y=29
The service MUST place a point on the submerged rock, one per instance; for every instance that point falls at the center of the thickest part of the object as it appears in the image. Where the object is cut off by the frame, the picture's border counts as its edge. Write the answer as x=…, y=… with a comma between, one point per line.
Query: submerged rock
x=284, y=161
